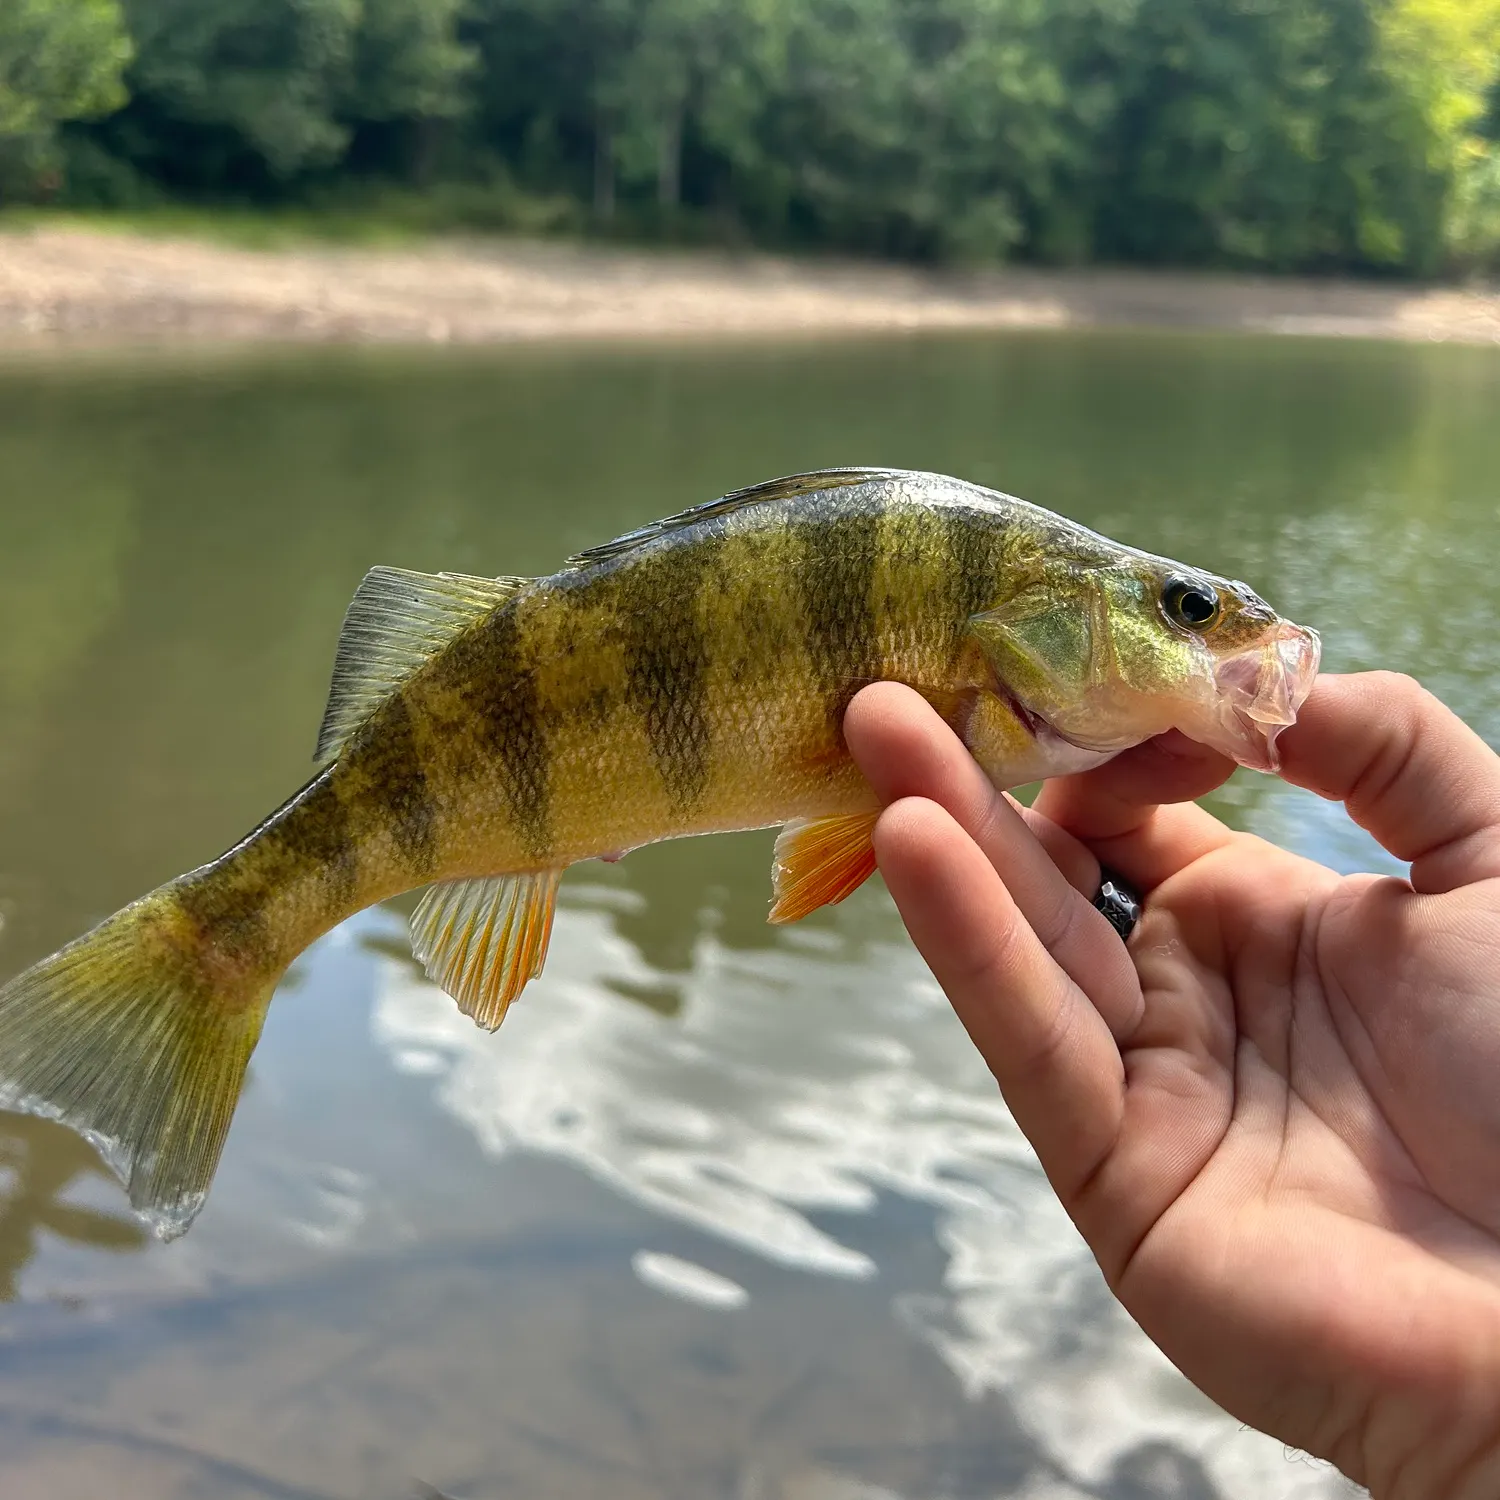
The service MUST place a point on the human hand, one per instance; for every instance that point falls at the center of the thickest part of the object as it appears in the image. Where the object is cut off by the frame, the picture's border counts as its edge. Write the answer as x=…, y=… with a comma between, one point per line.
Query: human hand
x=1275, y=1117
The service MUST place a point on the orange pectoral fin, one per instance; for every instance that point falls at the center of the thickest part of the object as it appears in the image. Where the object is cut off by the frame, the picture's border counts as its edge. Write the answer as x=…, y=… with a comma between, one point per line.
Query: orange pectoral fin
x=819, y=862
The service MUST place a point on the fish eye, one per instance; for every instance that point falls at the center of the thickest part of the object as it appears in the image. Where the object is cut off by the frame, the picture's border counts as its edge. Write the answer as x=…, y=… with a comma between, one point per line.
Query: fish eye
x=1191, y=604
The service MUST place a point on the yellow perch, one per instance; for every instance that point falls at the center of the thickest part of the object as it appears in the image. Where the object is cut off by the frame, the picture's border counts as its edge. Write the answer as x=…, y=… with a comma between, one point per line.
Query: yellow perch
x=482, y=734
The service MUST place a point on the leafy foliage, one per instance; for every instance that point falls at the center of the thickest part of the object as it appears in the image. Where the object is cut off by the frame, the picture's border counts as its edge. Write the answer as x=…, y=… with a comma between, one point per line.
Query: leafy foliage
x=1286, y=134
x=59, y=60
x=1474, y=220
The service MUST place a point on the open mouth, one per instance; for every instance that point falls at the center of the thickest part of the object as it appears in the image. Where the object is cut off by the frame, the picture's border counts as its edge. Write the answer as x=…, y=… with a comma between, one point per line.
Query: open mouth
x=1261, y=691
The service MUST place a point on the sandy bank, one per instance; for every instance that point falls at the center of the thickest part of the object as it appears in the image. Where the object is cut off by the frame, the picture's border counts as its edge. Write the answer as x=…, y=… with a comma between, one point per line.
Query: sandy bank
x=66, y=284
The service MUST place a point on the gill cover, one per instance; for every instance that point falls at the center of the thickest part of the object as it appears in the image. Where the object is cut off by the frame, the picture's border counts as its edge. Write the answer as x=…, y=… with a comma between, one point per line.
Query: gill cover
x=1044, y=644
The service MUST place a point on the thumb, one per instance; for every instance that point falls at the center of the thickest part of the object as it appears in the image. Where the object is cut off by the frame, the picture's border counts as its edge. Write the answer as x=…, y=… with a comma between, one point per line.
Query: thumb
x=1409, y=770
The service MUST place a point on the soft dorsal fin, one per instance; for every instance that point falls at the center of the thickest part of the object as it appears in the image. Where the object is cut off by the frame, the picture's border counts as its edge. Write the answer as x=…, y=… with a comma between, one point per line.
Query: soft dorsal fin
x=757, y=494
x=396, y=621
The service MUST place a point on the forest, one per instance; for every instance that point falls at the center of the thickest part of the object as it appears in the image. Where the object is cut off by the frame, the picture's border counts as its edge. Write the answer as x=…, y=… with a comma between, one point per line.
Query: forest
x=1315, y=136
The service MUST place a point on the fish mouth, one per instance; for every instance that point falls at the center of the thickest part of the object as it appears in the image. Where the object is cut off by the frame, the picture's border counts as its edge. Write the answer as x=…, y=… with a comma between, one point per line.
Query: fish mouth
x=1259, y=693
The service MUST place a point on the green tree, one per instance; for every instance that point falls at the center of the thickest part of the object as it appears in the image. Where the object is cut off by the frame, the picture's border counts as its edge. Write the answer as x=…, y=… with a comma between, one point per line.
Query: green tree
x=410, y=79
x=229, y=94
x=1445, y=57
x=1264, y=132
x=237, y=97
x=59, y=60
x=1286, y=134
x=695, y=70
x=541, y=100
x=409, y=62
x=913, y=127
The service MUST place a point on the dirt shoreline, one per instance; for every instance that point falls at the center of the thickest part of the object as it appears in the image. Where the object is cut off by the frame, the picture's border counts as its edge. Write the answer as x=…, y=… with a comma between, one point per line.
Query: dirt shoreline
x=64, y=285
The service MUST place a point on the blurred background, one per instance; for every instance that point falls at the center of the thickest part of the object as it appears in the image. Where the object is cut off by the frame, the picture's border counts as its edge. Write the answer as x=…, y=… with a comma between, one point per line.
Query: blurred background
x=724, y=1212
x=1279, y=134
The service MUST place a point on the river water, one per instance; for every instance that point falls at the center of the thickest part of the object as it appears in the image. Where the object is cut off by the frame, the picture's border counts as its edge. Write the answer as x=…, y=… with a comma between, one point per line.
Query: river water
x=722, y=1211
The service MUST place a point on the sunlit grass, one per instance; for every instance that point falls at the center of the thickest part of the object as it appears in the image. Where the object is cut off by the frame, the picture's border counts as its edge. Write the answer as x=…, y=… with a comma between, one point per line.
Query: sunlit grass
x=385, y=217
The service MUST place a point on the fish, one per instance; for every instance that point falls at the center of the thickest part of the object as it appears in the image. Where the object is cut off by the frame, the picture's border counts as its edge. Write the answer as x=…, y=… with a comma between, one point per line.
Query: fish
x=484, y=734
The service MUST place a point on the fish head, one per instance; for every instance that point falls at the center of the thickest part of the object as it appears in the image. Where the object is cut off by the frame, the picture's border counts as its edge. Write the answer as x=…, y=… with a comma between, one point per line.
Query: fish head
x=1107, y=652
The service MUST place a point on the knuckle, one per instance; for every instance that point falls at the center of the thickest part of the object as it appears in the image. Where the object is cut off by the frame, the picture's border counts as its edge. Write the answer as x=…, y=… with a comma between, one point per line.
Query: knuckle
x=1404, y=694
x=1054, y=1035
x=1056, y=920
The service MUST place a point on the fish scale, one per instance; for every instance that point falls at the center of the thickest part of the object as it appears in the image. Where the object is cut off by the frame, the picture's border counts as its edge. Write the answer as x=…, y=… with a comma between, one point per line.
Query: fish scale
x=482, y=735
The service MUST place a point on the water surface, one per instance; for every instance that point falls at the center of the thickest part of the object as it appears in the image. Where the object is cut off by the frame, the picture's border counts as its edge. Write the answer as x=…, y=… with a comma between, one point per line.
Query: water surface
x=723, y=1211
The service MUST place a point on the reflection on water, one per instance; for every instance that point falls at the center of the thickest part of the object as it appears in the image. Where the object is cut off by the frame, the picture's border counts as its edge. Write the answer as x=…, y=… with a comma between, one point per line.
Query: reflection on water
x=785, y=1244
x=797, y=1091
x=723, y=1211
x=41, y=1162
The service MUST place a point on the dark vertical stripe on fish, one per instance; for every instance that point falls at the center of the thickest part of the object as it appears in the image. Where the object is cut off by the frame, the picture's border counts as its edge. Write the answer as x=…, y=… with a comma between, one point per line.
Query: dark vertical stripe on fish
x=667, y=663
x=394, y=760
x=974, y=547
x=320, y=838
x=835, y=573
x=229, y=914
x=513, y=725
x=307, y=836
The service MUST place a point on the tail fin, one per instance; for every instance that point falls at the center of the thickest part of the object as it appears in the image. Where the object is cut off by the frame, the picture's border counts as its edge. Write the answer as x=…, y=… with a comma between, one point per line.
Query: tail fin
x=137, y=1036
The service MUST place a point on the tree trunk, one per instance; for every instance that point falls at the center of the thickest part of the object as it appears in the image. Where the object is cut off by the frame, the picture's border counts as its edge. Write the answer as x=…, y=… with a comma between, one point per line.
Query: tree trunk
x=424, y=148
x=669, y=160
x=604, y=171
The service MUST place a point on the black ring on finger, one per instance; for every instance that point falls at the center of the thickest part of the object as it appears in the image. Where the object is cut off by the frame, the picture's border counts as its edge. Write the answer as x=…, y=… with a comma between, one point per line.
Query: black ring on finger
x=1118, y=903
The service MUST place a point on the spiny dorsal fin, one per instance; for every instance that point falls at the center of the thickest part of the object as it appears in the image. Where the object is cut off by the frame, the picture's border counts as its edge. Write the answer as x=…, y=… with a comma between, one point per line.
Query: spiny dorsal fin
x=757, y=494
x=483, y=939
x=396, y=621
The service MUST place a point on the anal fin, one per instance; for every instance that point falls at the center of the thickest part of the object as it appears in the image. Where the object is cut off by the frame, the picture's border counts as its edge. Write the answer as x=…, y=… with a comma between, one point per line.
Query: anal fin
x=483, y=939
x=820, y=861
